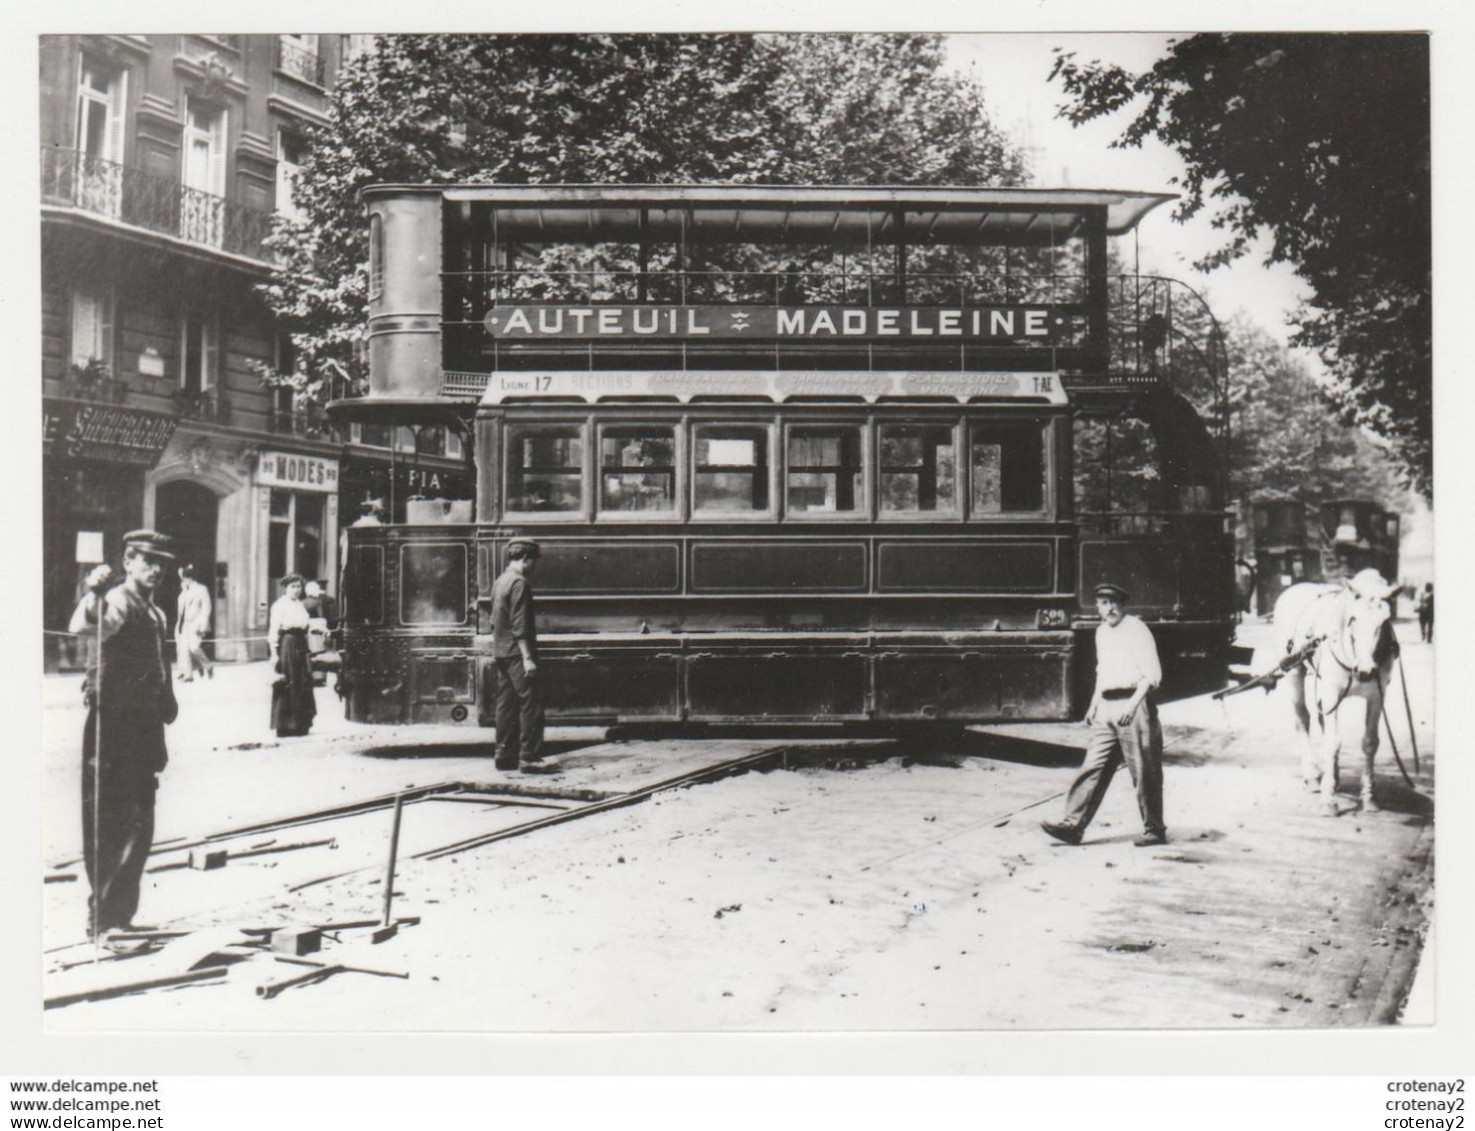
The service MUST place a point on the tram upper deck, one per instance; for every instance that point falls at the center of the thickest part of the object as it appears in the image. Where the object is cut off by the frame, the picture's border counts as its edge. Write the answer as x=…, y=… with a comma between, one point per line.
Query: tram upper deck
x=839, y=453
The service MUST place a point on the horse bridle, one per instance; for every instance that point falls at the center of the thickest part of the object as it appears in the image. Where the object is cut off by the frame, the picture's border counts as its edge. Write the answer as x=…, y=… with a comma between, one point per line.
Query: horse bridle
x=1331, y=649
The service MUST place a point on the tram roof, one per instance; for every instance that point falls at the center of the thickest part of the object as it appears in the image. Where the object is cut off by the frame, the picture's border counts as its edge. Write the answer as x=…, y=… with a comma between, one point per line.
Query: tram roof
x=823, y=212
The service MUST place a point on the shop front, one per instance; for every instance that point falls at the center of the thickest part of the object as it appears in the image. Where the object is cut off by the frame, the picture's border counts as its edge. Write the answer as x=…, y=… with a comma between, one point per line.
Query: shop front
x=95, y=458
x=296, y=501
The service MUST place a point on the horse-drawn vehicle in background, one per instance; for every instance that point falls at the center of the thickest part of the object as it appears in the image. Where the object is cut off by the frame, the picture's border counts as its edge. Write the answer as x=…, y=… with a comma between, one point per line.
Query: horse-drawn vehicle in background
x=1286, y=541
x=791, y=454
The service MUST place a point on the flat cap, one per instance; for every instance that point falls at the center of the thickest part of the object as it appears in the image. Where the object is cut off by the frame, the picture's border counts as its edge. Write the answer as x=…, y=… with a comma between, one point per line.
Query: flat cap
x=1113, y=590
x=523, y=548
x=149, y=542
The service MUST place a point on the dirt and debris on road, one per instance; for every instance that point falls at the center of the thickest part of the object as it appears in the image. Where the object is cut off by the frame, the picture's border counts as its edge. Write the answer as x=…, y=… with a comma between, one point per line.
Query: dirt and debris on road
x=906, y=888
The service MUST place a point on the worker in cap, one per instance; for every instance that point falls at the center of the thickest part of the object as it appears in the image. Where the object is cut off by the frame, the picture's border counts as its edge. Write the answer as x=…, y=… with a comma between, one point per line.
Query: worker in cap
x=519, y=693
x=522, y=548
x=1112, y=590
x=1123, y=721
x=130, y=699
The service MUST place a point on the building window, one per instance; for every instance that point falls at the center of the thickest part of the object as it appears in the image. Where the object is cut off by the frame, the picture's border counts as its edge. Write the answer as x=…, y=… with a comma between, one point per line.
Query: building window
x=823, y=474
x=545, y=468
x=1007, y=467
x=731, y=469
x=199, y=352
x=295, y=538
x=297, y=55
x=918, y=469
x=92, y=327
x=202, y=207
x=100, y=112
x=430, y=440
x=352, y=46
x=638, y=468
x=101, y=99
x=291, y=151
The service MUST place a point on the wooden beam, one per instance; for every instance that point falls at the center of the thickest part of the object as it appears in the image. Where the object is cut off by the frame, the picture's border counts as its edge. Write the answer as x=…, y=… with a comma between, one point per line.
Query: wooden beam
x=101, y=993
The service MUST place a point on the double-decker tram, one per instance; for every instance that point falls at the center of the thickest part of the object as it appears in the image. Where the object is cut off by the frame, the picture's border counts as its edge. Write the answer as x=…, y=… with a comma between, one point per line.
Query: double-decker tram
x=791, y=454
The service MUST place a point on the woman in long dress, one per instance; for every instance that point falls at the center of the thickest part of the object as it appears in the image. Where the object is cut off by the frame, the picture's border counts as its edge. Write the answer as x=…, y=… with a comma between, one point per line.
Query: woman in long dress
x=292, y=703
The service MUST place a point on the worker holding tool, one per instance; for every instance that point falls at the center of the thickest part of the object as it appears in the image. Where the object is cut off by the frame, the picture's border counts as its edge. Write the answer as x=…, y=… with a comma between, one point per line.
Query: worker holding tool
x=515, y=652
x=130, y=699
x=1124, y=724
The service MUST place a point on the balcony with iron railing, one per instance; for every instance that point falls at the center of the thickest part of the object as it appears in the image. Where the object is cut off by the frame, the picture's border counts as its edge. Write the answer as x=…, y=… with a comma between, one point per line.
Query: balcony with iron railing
x=93, y=381
x=210, y=405
x=157, y=204
x=308, y=422
x=301, y=63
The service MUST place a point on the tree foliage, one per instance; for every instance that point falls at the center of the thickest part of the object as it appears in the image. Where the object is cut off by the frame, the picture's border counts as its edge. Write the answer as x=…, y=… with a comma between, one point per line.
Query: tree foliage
x=622, y=109
x=1287, y=442
x=1321, y=143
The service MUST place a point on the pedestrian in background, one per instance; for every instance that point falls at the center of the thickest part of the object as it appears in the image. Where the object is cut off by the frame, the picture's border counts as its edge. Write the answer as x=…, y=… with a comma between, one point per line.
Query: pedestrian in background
x=1425, y=609
x=191, y=626
x=130, y=700
x=515, y=654
x=292, y=704
x=320, y=603
x=1124, y=724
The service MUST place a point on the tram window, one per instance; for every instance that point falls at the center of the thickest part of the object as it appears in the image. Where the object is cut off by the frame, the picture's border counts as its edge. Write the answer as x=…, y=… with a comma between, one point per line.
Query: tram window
x=918, y=468
x=363, y=585
x=731, y=469
x=823, y=473
x=546, y=469
x=638, y=468
x=1007, y=467
x=432, y=584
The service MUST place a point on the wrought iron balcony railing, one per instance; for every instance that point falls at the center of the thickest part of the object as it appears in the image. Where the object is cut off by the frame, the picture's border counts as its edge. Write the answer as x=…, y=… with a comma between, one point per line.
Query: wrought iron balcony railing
x=207, y=404
x=299, y=62
x=131, y=196
x=310, y=423
x=89, y=386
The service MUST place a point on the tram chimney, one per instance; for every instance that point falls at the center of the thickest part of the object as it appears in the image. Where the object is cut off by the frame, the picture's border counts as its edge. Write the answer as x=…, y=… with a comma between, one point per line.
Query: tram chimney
x=404, y=292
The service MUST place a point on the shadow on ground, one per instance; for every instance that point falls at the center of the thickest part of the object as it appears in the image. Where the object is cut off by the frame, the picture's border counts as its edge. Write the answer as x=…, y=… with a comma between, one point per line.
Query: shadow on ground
x=475, y=751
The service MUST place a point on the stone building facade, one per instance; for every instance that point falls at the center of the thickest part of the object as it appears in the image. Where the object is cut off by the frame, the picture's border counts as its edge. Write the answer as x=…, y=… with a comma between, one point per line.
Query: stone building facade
x=163, y=159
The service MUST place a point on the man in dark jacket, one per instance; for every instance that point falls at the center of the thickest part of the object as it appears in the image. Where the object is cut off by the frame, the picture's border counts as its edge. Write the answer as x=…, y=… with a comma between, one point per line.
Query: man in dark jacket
x=130, y=700
x=515, y=653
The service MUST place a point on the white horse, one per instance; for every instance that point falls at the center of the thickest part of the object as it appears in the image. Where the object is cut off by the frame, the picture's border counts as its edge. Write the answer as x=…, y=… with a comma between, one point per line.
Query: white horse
x=1351, y=626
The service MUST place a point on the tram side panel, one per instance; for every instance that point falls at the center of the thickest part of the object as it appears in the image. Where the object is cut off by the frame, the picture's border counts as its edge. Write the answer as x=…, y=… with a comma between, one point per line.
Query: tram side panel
x=1182, y=584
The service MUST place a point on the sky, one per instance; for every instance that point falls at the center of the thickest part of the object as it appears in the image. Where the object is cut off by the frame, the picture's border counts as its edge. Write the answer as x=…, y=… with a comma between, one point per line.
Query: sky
x=1014, y=69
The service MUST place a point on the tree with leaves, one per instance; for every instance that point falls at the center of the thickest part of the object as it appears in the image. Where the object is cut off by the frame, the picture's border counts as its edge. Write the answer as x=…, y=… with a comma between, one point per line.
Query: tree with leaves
x=1286, y=441
x=621, y=109
x=1320, y=142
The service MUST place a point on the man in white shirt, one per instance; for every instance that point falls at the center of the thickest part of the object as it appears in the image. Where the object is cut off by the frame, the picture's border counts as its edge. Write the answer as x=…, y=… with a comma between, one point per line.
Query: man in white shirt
x=191, y=625
x=1124, y=724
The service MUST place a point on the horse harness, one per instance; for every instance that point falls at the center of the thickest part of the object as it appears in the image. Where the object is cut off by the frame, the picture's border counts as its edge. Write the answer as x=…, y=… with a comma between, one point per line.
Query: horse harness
x=1332, y=643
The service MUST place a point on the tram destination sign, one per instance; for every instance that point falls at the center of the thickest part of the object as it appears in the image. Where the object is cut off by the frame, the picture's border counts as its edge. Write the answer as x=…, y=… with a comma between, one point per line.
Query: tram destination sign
x=682, y=385
x=538, y=322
